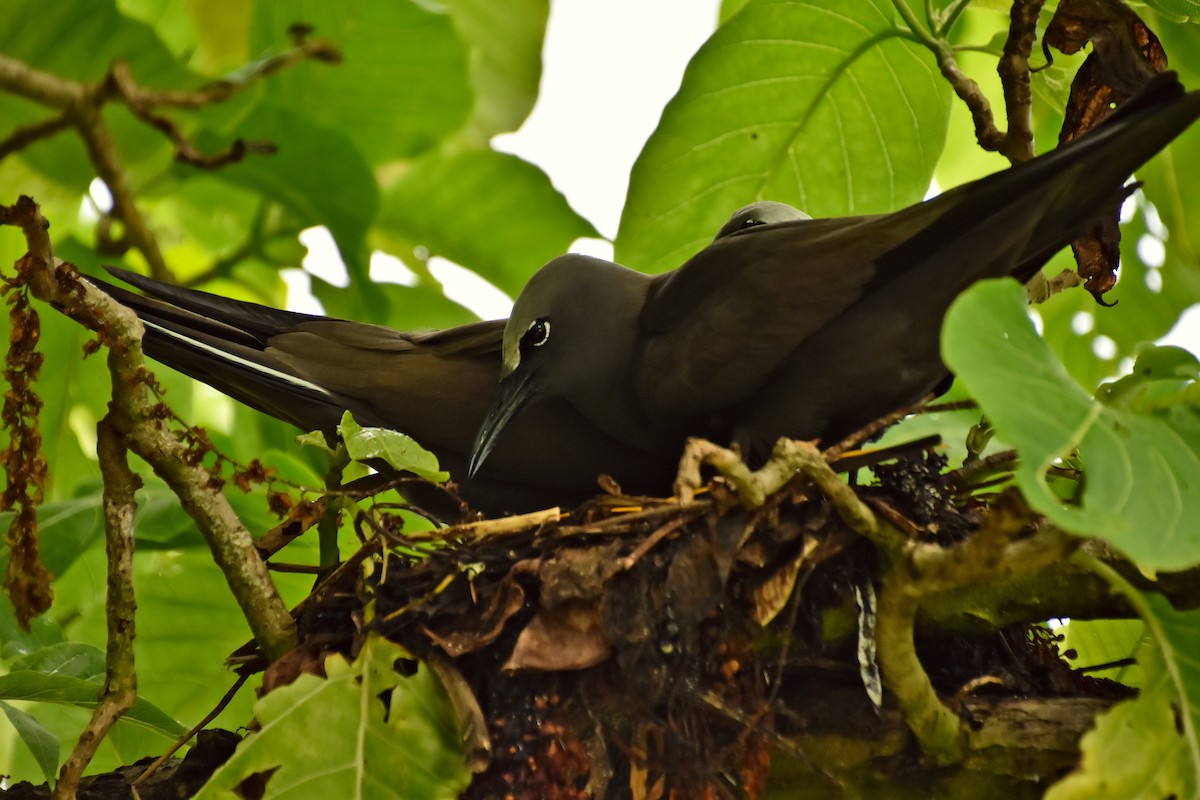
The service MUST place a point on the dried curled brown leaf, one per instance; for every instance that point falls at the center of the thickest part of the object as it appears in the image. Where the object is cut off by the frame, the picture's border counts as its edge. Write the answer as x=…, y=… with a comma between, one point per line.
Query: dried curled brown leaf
x=1125, y=56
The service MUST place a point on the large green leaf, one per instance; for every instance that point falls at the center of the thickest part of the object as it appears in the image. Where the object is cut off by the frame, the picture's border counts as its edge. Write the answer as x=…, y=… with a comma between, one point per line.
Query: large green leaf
x=41, y=743
x=318, y=172
x=506, y=59
x=819, y=104
x=44, y=687
x=450, y=203
x=380, y=735
x=1141, y=468
x=1148, y=748
x=402, y=84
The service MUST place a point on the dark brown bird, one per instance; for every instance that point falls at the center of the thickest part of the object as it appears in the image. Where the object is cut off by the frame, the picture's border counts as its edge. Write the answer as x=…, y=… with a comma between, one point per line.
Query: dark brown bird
x=805, y=328
x=434, y=386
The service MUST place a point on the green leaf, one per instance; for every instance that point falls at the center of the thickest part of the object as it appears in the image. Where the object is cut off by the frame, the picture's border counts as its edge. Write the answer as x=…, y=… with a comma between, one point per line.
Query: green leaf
x=381, y=736
x=42, y=744
x=1177, y=10
x=1148, y=747
x=449, y=204
x=399, y=450
x=52, y=688
x=1162, y=377
x=401, y=86
x=14, y=640
x=70, y=659
x=1140, y=493
x=819, y=104
x=729, y=8
x=1104, y=641
x=506, y=59
x=318, y=173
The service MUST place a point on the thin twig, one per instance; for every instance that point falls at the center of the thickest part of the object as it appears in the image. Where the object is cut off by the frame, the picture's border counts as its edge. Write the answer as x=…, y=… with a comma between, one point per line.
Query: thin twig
x=996, y=462
x=875, y=426
x=646, y=545
x=225, y=700
x=625, y=520
x=26, y=135
x=498, y=527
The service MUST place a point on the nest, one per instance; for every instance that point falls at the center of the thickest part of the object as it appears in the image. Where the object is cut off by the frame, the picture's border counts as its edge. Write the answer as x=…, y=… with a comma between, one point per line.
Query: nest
x=638, y=642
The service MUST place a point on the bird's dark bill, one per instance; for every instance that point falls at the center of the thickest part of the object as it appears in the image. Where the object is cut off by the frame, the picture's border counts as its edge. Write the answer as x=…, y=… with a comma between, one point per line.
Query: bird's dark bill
x=515, y=391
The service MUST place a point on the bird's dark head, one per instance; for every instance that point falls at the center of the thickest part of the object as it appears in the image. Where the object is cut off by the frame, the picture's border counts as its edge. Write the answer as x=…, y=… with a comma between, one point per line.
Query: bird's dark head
x=764, y=212
x=567, y=325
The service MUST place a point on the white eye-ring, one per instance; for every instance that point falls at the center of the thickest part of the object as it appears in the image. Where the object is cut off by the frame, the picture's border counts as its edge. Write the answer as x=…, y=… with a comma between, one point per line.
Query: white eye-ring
x=537, y=334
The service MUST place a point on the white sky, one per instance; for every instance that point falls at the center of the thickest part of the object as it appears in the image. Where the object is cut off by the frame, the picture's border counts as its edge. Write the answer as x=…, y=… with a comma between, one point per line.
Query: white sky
x=609, y=69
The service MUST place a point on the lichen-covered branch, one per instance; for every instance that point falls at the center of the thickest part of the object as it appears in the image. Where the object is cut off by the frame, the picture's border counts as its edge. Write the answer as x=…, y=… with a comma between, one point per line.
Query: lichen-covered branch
x=787, y=458
x=999, y=552
x=120, y=677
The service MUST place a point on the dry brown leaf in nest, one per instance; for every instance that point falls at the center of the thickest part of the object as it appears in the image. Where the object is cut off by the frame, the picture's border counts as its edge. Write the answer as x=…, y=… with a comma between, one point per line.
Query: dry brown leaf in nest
x=505, y=600
x=771, y=596
x=570, y=637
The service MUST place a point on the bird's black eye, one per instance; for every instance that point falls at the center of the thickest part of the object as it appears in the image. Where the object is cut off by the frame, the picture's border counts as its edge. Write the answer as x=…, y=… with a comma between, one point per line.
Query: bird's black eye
x=751, y=222
x=536, y=335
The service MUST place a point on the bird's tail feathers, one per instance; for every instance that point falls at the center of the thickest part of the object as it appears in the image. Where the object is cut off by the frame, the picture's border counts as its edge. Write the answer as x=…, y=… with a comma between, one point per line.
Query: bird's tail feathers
x=224, y=356
x=1044, y=203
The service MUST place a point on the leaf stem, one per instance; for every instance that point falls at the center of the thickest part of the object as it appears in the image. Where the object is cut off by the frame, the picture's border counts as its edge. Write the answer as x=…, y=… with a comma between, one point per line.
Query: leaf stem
x=950, y=16
x=919, y=30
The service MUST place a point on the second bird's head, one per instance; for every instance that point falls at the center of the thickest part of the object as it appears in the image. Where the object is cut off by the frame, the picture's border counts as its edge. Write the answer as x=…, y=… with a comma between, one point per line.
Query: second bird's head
x=573, y=332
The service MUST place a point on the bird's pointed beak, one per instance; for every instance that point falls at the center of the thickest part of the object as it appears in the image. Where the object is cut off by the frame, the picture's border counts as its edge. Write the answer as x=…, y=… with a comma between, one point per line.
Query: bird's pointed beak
x=516, y=389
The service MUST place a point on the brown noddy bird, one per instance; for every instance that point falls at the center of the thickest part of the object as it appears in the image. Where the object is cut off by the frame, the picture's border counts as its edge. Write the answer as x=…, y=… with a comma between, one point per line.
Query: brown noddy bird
x=808, y=329
x=435, y=386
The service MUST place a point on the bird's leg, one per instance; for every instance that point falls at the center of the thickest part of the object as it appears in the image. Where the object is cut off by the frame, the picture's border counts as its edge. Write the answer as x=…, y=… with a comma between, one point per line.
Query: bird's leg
x=787, y=458
x=752, y=486
x=728, y=462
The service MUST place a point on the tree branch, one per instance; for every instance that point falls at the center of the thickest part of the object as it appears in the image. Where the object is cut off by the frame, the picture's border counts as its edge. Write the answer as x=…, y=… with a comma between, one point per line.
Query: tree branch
x=26, y=135
x=994, y=554
x=80, y=105
x=120, y=677
x=133, y=415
